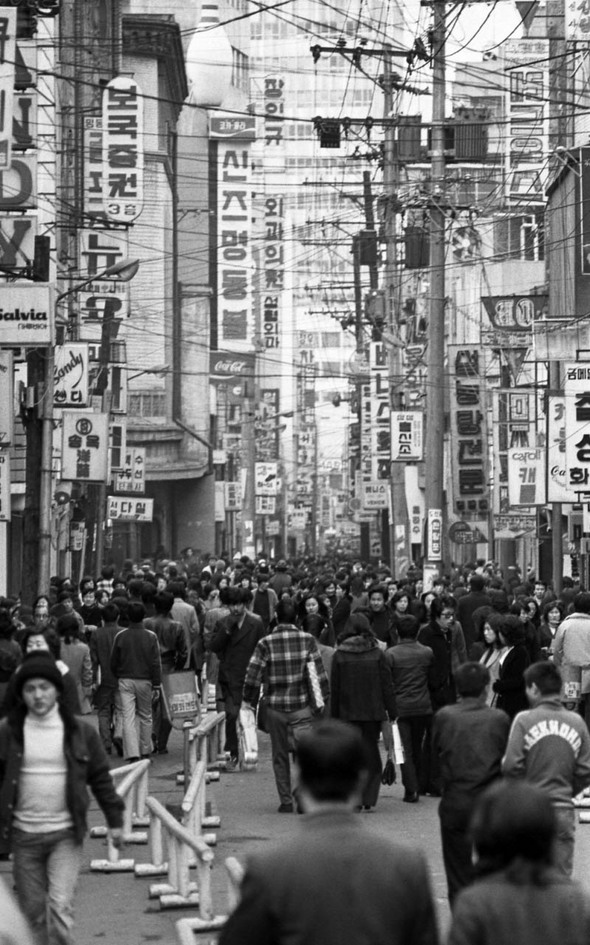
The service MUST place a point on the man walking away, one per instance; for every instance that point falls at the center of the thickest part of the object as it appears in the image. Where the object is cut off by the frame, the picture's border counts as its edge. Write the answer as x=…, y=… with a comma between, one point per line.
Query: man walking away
x=411, y=666
x=234, y=640
x=280, y=661
x=47, y=759
x=468, y=604
x=135, y=662
x=469, y=739
x=107, y=700
x=336, y=881
x=173, y=656
x=549, y=746
x=264, y=600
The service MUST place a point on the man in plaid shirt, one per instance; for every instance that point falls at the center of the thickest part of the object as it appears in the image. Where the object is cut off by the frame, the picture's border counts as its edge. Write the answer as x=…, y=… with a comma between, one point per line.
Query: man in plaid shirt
x=280, y=662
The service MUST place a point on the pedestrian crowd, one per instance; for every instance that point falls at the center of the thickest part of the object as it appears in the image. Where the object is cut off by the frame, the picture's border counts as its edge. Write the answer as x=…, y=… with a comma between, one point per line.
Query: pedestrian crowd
x=484, y=680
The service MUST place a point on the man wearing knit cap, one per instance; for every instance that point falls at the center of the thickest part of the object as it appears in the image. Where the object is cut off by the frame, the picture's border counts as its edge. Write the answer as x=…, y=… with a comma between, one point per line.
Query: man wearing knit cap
x=47, y=759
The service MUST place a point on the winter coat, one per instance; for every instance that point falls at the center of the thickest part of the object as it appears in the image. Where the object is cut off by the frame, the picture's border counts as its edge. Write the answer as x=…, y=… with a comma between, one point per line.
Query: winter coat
x=361, y=685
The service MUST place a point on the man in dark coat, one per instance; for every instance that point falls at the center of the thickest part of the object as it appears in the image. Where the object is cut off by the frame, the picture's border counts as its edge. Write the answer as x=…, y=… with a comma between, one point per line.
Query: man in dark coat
x=234, y=640
x=469, y=739
x=337, y=880
x=468, y=603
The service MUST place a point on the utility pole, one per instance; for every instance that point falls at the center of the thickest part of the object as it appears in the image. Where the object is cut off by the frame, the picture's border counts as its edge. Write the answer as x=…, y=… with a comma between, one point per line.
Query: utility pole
x=434, y=465
x=398, y=542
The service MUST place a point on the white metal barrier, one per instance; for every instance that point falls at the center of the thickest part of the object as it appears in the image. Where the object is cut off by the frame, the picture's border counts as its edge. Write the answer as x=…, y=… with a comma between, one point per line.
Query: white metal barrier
x=235, y=875
x=186, y=928
x=131, y=783
x=173, y=848
x=194, y=806
x=203, y=742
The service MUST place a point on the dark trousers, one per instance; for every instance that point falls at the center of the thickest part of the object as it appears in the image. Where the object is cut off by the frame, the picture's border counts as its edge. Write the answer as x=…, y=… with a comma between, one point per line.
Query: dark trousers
x=370, y=732
x=430, y=778
x=232, y=710
x=456, y=850
x=413, y=731
x=285, y=730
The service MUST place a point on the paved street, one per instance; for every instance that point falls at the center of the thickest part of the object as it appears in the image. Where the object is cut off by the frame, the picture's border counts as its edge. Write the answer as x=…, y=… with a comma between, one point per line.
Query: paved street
x=115, y=909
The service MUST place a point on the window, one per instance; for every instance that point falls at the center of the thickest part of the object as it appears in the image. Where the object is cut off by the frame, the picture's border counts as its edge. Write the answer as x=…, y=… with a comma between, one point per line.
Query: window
x=239, y=73
x=147, y=404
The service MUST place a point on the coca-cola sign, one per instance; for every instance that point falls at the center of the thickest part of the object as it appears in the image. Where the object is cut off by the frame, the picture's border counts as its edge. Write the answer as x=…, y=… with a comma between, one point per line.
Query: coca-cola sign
x=224, y=365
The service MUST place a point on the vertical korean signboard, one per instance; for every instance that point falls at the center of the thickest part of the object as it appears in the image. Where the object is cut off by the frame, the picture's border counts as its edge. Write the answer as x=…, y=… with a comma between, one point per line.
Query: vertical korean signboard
x=526, y=65
x=85, y=446
x=380, y=411
x=122, y=149
x=469, y=430
x=577, y=430
x=7, y=72
x=232, y=249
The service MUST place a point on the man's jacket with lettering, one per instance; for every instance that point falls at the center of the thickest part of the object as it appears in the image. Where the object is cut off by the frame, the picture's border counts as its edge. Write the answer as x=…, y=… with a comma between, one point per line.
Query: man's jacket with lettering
x=549, y=746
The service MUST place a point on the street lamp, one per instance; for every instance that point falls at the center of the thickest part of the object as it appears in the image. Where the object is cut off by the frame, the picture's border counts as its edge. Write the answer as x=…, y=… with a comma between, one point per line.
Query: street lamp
x=122, y=271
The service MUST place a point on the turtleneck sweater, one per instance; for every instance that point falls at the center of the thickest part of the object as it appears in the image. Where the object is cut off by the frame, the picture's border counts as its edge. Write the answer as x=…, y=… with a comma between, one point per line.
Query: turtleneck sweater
x=42, y=806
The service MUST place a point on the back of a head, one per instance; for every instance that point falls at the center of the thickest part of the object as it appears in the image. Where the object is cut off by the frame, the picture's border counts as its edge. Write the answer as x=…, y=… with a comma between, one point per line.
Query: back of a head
x=407, y=627
x=477, y=582
x=163, y=603
x=512, y=629
x=134, y=588
x=582, y=602
x=148, y=592
x=68, y=627
x=546, y=677
x=286, y=611
x=471, y=679
x=513, y=820
x=135, y=611
x=110, y=612
x=331, y=757
x=176, y=588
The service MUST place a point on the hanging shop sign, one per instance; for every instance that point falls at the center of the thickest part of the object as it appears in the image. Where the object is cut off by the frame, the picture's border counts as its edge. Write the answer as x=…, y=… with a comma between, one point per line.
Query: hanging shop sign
x=122, y=509
x=233, y=496
x=374, y=495
x=380, y=411
x=26, y=315
x=515, y=312
x=266, y=504
x=526, y=65
x=122, y=150
x=5, y=502
x=85, y=446
x=266, y=479
x=434, y=542
x=232, y=247
x=469, y=430
x=514, y=425
x=7, y=75
x=557, y=489
x=526, y=476
x=131, y=477
x=407, y=436
x=273, y=266
x=71, y=375
x=6, y=398
x=577, y=430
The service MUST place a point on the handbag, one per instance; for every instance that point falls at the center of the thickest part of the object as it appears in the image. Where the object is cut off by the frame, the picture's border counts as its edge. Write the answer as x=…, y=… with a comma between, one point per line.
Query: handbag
x=388, y=776
x=261, y=714
x=316, y=699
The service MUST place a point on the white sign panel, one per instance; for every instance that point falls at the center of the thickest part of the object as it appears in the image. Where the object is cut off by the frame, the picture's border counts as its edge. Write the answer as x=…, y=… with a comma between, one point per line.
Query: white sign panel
x=265, y=504
x=7, y=74
x=526, y=476
x=266, y=479
x=85, y=446
x=4, y=486
x=131, y=478
x=122, y=143
x=219, y=501
x=71, y=375
x=407, y=436
x=235, y=317
x=435, y=521
x=130, y=510
x=233, y=496
x=557, y=490
x=577, y=429
x=375, y=494
x=26, y=315
x=6, y=398
x=526, y=78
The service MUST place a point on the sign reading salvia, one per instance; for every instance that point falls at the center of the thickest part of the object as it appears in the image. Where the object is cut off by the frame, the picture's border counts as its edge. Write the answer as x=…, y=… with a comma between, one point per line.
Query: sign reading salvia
x=25, y=315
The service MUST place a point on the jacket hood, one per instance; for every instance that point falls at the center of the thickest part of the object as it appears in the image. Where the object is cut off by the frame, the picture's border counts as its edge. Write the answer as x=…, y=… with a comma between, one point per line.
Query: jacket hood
x=359, y=644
